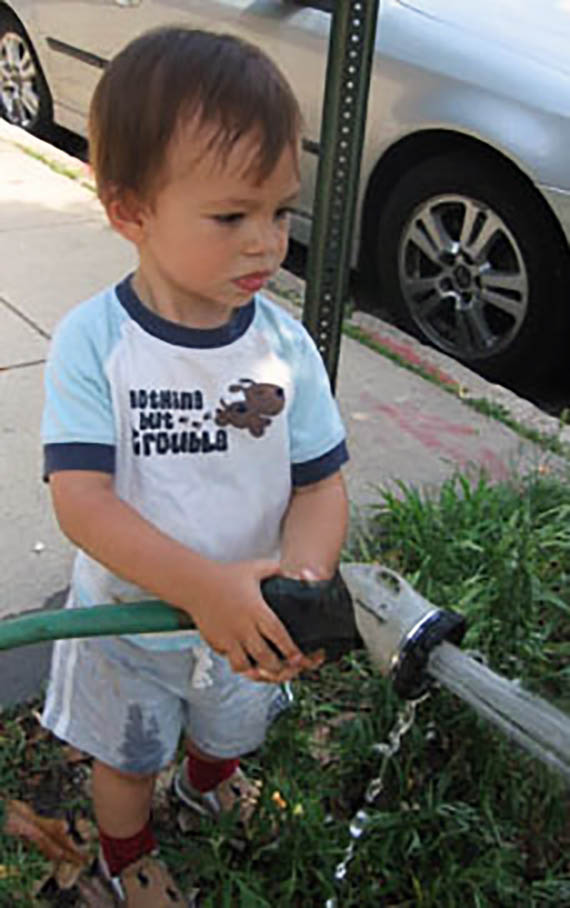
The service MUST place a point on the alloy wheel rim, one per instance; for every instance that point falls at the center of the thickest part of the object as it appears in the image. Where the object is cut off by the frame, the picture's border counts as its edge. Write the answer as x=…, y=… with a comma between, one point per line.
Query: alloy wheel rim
x=19, y=96
x=463, y=276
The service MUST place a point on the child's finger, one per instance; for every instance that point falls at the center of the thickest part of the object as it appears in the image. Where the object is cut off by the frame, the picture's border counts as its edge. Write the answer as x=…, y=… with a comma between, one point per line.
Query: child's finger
x=316, y=659
x=273, y=630
x=237, y=657
x=306, y=574
x=259, y=674
x=263, y=656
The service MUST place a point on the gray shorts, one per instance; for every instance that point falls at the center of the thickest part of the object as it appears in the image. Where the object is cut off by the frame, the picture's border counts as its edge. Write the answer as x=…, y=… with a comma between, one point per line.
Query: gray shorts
x=126, y=705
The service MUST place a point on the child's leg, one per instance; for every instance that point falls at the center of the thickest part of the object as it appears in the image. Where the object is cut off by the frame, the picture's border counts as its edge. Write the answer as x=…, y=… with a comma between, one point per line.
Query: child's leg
x=122, y=803
x=121, y=704
x=121, y=800
x=228, y=715
x=206, y=771
x=214, y=785
x=115, y=701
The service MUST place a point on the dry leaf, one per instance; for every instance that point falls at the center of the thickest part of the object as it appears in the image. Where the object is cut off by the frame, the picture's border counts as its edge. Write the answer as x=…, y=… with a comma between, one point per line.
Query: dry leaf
x=318, y=744
x=73, y=755
x=67, y=874
x=94, y=893
x=39, y=884
x=342, y=718
x=36, y=735
x=52, y=837
x=187, y=820
x=320, y=737
x=163, y=785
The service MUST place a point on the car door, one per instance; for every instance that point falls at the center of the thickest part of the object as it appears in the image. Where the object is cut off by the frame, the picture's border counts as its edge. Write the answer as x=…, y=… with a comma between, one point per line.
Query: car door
x=82, y=35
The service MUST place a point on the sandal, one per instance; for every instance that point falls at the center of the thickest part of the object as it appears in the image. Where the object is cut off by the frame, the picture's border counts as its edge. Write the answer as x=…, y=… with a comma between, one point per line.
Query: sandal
x=237, y=792
x=144, y=884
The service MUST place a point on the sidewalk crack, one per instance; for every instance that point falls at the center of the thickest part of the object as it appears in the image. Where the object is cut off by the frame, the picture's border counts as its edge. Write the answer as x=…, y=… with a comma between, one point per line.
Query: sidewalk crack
x=25, y=365
x=25, y=318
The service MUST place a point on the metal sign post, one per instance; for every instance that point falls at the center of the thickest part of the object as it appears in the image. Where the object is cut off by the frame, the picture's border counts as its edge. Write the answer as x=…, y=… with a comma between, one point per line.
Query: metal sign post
x=351, y=47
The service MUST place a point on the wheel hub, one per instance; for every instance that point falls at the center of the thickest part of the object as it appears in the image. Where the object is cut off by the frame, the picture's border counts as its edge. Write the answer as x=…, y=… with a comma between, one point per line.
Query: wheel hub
x=463, y=277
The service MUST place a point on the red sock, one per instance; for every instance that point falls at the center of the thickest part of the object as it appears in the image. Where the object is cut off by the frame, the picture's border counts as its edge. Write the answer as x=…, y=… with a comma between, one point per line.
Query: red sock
x=119, y=853
x=205, y=775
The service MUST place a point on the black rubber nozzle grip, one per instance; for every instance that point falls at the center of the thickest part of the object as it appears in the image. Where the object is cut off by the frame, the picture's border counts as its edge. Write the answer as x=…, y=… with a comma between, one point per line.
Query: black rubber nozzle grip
x=317, y=614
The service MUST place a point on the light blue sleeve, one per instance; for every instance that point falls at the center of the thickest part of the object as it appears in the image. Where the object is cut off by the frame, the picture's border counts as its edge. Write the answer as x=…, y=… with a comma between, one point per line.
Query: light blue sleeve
x=77, y=426
x=316, y=431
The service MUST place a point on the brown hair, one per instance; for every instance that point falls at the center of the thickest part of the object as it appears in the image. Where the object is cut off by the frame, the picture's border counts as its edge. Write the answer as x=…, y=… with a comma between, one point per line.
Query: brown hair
x=170, y=75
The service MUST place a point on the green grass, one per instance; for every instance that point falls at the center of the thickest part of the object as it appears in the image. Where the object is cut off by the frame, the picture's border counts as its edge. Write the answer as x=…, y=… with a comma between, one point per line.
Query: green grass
x=465, y=818
x=72, y=172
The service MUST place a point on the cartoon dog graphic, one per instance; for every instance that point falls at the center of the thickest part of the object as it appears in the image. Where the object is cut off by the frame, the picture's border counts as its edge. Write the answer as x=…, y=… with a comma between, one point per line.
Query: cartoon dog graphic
x=260, y=403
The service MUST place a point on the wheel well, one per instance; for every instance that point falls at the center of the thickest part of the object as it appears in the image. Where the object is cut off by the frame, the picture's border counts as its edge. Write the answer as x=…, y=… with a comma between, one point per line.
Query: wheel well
x=416, y=149
x=4, y=8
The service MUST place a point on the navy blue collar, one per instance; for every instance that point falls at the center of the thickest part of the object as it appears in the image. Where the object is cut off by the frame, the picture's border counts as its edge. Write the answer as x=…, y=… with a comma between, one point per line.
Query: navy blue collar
x=181, y=335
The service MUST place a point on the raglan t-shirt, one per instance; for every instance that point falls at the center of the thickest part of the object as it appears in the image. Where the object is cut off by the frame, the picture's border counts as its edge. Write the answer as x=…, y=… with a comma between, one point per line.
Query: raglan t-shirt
x=204, y=431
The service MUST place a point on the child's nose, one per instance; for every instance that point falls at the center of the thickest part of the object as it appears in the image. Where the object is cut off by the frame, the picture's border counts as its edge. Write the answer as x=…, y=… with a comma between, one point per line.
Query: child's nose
x=264, y=238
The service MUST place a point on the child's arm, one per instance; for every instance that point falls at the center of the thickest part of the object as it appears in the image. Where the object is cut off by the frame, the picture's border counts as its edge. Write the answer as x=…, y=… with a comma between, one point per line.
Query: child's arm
x=224, y=599
x=314, y=529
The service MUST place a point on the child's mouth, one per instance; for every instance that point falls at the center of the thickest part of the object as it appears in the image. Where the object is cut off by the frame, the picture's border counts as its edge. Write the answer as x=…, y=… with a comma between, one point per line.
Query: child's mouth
x=252, y=282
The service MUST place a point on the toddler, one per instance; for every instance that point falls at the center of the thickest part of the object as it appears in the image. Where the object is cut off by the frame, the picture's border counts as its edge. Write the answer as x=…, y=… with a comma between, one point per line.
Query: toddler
x=191, y=441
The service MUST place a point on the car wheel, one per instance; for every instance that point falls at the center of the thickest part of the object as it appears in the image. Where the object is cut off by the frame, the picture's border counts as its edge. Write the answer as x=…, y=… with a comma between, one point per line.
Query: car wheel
x=24, y=96
x=469, y=261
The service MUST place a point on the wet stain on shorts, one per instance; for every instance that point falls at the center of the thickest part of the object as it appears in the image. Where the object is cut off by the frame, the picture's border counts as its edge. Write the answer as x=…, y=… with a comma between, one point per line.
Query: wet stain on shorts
x=141, y=749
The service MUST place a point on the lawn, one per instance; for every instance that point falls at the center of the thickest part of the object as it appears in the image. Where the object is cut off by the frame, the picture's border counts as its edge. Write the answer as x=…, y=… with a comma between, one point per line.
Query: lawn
x=464, y=818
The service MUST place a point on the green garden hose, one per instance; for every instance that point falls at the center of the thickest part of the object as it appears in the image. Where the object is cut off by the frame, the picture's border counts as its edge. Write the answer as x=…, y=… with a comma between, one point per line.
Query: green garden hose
x=98, y=621
x=317, y=614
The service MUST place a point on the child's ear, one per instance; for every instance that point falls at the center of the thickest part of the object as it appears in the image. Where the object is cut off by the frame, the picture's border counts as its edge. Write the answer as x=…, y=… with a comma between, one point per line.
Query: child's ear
x=126, y=211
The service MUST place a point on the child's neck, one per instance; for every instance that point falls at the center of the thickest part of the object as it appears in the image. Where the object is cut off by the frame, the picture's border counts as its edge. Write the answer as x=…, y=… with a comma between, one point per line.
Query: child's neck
x=174, y=305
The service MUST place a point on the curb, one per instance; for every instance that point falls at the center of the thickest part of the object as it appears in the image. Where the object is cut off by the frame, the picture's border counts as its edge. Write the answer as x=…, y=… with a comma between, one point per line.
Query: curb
x=395, y=343
x=468, y=385
x=51, y=156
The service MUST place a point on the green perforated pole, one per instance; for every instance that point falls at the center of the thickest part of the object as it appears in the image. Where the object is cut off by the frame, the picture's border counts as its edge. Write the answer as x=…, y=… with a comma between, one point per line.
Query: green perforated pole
x=351, y=48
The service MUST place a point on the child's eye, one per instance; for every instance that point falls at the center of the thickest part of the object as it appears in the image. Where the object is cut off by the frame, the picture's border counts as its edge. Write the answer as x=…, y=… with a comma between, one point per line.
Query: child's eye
x=233, y=218
x=283, y=213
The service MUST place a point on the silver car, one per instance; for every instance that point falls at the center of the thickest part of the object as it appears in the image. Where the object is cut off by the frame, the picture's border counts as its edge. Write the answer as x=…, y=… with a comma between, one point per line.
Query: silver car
x=464, y=203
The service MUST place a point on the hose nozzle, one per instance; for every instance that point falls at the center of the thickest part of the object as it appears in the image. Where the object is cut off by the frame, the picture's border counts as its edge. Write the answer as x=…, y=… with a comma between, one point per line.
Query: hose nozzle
x=399, y=627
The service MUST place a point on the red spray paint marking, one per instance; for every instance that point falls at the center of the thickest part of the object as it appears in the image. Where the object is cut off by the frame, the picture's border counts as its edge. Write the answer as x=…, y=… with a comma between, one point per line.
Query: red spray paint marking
x=439, y=435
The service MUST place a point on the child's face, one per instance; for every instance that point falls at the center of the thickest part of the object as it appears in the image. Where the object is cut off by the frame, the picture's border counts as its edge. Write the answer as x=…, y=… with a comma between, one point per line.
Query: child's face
x=212, y=236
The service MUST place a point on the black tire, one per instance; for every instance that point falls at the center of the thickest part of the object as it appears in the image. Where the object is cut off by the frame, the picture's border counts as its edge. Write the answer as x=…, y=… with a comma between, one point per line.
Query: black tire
x=498, y=329
x=31, y=109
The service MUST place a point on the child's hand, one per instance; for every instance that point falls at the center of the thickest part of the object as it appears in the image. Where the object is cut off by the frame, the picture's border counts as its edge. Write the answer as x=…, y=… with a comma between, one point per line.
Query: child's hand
x=235, y=621
x=297, y=572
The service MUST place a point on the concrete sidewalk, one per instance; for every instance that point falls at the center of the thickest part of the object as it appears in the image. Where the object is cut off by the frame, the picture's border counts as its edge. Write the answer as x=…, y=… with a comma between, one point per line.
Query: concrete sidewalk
x=56, y=249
